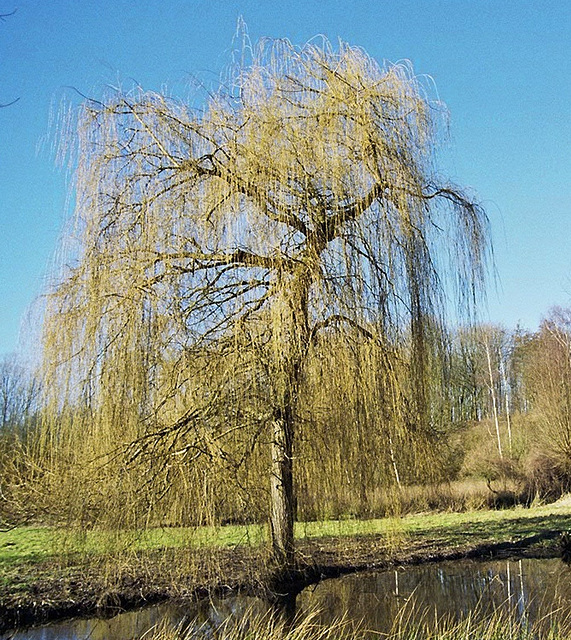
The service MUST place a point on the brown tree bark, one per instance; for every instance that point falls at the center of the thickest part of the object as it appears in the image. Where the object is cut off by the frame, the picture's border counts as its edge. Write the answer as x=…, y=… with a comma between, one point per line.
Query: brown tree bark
x=282, y=494
x=295, y=334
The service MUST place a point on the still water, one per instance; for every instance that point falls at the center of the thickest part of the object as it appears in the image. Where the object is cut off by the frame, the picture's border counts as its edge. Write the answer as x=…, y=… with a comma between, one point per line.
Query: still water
x=451, y=589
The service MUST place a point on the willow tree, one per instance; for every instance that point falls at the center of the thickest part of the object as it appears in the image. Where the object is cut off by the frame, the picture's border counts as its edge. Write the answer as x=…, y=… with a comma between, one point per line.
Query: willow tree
x=211, y=248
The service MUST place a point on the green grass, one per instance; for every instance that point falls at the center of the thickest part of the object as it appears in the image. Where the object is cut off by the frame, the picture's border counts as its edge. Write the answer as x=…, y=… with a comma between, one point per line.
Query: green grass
x=30, y=545
x=25, y=544
x=457, y=528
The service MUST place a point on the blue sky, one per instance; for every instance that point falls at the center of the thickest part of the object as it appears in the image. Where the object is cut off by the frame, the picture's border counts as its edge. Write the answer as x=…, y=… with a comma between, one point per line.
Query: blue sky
x=503, y=67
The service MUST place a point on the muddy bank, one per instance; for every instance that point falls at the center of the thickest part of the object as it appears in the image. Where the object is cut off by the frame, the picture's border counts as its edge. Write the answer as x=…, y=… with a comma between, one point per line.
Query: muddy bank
x=52, y=591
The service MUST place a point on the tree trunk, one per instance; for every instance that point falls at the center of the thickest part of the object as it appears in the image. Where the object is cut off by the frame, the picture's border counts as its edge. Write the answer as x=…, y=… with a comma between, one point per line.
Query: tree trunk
x=294, y=339
x=282, y=497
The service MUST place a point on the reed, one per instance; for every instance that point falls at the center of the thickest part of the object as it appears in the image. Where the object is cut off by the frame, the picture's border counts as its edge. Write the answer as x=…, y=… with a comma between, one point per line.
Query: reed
x=409, y=624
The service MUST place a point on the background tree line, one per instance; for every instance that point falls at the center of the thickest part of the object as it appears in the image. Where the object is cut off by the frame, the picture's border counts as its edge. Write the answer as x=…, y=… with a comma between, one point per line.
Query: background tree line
x=500, y=429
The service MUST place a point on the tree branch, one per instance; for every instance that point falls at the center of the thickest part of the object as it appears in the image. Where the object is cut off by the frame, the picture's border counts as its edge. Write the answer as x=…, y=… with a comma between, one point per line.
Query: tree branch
x=240, y=258
x=337, y=319
x=274, y=212
x=332, y=226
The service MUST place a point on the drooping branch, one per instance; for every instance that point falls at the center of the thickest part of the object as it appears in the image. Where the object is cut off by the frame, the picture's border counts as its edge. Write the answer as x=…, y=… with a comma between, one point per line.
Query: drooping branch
x=3, y=16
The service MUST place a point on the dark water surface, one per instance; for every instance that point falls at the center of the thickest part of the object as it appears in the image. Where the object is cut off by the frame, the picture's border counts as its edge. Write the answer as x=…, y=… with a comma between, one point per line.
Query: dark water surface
x=452, y=589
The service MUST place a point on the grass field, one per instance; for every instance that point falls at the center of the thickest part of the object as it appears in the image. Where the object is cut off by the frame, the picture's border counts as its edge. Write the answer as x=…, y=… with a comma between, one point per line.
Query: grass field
x=29, y=545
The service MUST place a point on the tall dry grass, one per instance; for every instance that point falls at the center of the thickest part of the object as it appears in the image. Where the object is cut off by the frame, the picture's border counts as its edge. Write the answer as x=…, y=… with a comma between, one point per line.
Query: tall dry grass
x=407, y=625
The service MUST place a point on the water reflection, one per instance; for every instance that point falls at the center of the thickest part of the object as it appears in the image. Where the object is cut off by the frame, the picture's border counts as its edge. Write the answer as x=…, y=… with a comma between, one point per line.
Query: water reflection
x=454, y=589
x=450, y=589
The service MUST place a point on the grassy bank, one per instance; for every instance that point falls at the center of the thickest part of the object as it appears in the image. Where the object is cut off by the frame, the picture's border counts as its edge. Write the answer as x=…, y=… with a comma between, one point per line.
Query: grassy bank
x=31, y=545
x=47, y=573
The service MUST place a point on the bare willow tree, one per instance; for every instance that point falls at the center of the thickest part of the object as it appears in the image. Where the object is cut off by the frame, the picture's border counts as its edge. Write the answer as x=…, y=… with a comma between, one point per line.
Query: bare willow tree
x=211, y=249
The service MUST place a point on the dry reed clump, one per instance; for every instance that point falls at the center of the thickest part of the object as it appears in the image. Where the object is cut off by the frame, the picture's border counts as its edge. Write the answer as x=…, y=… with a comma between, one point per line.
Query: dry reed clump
x=502, y=623
x=408, y=624
x=252, y=624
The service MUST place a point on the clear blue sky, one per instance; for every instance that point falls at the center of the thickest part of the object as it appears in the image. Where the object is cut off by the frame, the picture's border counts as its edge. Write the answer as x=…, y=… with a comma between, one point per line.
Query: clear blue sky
x=503, y=67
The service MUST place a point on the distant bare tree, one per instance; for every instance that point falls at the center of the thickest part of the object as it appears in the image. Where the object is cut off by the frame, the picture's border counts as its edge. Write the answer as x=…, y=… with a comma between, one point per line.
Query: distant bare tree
x=549, y=382
x=19, y=392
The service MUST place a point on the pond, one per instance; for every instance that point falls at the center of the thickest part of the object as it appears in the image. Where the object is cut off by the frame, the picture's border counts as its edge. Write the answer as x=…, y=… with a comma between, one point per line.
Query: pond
x=452, y=589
